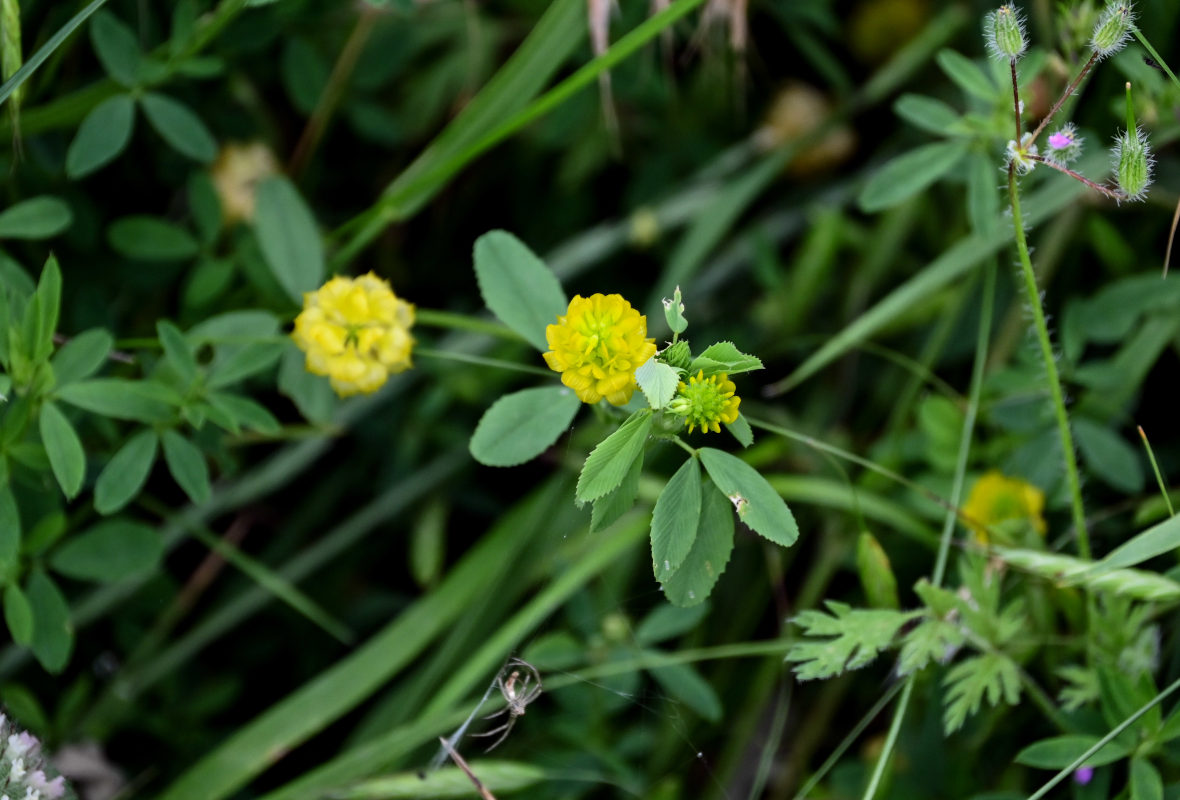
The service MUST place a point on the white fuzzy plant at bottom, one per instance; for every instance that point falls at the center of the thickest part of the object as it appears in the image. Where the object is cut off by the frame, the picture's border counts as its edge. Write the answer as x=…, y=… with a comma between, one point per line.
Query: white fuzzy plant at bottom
x=23, y=772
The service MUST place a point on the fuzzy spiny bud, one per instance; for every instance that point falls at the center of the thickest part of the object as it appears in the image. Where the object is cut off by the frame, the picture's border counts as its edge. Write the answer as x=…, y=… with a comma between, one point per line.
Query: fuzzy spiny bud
x=1133, y=163
x=1004, y=30
x=1113, y=29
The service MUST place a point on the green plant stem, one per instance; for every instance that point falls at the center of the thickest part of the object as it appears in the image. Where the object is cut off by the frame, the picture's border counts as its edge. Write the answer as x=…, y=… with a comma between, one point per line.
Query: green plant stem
x=1068, y=93
x=1033, y=296
x=1159, y=478
x=890, y=740
x=464, y=322
x=1113, y=194
x=483, y=361
x=1098, y=745
x=1158, y=59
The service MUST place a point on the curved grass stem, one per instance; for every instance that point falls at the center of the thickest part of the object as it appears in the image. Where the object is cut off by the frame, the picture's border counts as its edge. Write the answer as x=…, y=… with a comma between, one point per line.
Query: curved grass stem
x=1054, y=379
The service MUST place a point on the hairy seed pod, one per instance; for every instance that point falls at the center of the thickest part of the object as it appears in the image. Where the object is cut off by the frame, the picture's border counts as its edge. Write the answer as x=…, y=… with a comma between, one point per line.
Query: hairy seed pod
x=1004, y=31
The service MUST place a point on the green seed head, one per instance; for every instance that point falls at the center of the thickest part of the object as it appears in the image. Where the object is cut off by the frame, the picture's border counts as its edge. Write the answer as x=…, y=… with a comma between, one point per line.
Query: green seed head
x=1113, y=29
x=677, y=355
x=1133, y=164
x=1004, y=31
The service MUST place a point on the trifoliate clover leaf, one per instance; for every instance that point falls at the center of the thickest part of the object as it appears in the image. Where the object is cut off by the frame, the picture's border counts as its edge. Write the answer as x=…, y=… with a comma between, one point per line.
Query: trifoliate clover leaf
x=857, y=637
x=993, y=675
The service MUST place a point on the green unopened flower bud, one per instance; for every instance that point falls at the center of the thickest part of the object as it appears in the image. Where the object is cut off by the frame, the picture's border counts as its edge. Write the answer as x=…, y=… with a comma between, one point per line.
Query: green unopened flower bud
x=674, y=313
x=677, y=355
x=1113, y=29
x=1133, y=164
x=1004, y=31
x=876, y=574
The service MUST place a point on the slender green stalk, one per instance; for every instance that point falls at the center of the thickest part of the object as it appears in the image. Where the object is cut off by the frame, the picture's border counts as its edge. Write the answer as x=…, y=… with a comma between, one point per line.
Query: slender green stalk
x=467, y=358
x=890, y=740
x=1158, y=59
x=55, y=41
x=1159, y=478
x=1098, y=745
x=464, y=322
x=1033, y=296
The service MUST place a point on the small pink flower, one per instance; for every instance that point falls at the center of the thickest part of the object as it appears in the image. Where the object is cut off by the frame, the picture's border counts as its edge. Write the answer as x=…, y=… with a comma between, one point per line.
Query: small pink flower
x=1083, y=775
x=1060, y=140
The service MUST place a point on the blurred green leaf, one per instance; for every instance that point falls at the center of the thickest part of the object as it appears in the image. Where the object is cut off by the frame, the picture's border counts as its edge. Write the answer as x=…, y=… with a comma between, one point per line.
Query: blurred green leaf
x=179, y=126
x=740, y=430
x=177, y=352
x=117, y=48
x=35, y=218
x=520, y=426
x=53, y=634
x=121, y=398
x=610, y=461
x=683, y=683
x=18, y=614
x=311, y=394
x=667, y=622
x=929, y=114
x=1058, y=752
x=674, y=520
x=103, y=135
x=757, y=504
x=82, y=356
x=907, y=174
x=110, y=551
x=967, y=75
x=1146, y=783
x=41, y=317
x=503, y=777
x=151, y=239
x=187, y=464
x=289, y=237
x=517, y=286
x=245, y=412
x=126, y=473
x=1108, y=456
x=10, y=532
x=64, y=449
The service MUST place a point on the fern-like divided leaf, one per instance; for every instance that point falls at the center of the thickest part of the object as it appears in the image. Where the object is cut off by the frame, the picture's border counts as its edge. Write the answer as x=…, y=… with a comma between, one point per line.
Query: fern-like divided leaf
x=933, y=640
x=850, y=638
x=991, y=674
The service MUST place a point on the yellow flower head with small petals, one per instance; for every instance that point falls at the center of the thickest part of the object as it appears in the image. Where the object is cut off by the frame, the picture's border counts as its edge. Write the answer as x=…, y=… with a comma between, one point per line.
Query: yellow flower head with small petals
x=356, y=332
x=597, y=345
x=997, y=500
x=706, y=402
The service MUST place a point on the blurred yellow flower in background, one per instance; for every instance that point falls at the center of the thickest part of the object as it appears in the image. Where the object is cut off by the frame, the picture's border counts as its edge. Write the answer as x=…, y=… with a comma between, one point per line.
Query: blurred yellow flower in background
x=356, y=332
x=1004, y=505
x=597, y=346
x=236, y=174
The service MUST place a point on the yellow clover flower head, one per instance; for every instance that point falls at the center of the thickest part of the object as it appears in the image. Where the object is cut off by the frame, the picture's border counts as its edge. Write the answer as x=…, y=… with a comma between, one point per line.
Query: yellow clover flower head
x=706, y=402
x=356, y=332
x=597, y=345
x=997, y=500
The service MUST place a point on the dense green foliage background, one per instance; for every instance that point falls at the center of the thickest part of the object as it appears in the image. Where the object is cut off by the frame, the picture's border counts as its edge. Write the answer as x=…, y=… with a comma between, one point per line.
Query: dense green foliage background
x=331, y=589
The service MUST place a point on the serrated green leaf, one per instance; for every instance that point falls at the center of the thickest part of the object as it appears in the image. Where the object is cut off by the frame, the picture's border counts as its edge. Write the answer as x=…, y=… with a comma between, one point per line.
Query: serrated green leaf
x=64, y=449
x=82, y=356
x=520, y=426
x=53, y=634
x=120, y=398
x=683, y=683
x=658, y=381
x=615, y=504
x=35, y=218
x=110, y=551
x=151, y=239
x=187, y=464
x=992, y=675
x=674, y=520
x=102, y=136
x=756, y=502
x=126, y=472
x=932, y=640
x=610, y=461
x=1058, y=752
x=852, y=638
x=18, y=614
x=117, y=48
x=517, y=287
x=702, y=567
x=723, y=357
x=907, y=174
x=179, y=127
x=289, y=237
x=740, y=430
